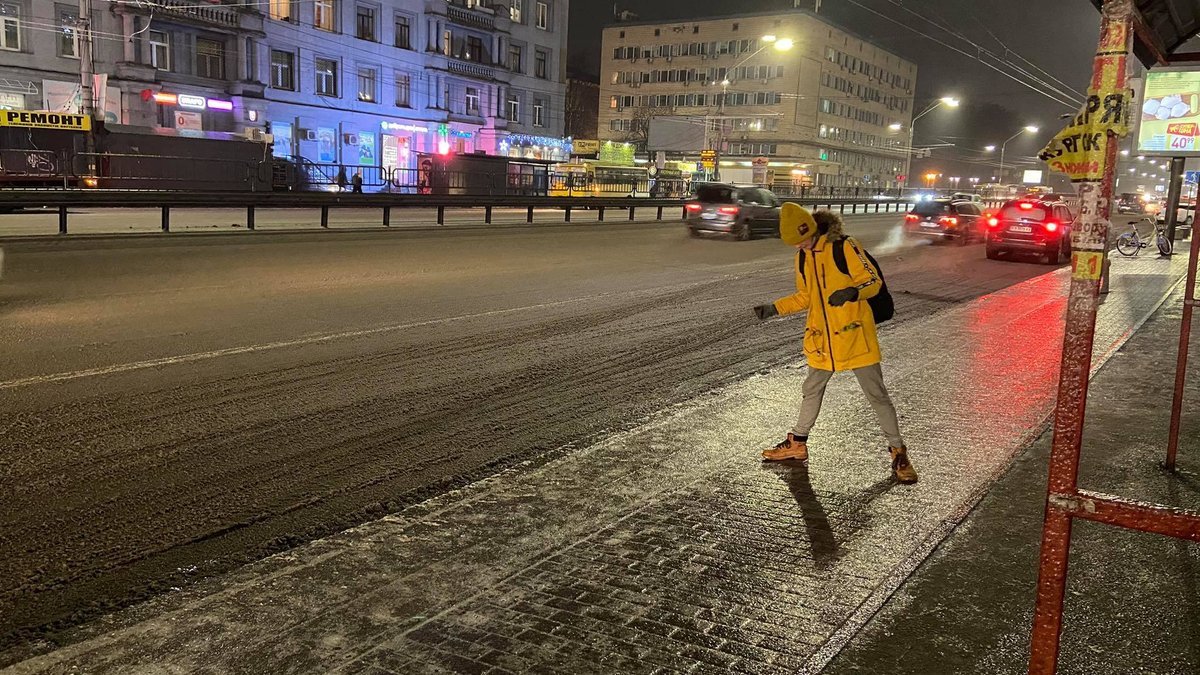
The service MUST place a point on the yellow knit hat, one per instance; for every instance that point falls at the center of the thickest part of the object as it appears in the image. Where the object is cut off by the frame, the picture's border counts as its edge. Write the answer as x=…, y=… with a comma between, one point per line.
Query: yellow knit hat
x=796, y=224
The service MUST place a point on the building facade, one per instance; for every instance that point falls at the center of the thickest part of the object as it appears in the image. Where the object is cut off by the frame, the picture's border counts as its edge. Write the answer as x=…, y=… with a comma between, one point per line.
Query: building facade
x=832, y=110
x=178, y=65
x=355, y=82
x=380, y=82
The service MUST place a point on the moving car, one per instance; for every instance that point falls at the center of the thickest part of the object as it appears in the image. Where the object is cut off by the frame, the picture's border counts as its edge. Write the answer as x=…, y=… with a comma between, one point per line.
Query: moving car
x=725, y=208
x=1184, y=215
x=1129, y=202
x=945, y=219
x=1031, y=226
x=967, y=197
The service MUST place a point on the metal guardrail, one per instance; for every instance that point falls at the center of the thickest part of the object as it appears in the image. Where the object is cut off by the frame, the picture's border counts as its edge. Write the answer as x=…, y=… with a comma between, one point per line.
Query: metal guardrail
x=165, y=201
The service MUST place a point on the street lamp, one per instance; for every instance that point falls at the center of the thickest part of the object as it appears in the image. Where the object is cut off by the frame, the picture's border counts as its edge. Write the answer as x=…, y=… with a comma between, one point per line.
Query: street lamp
x=780, y=45
x=948, y=101
x=989, y=148
x=1029, y=128
x=895, y=126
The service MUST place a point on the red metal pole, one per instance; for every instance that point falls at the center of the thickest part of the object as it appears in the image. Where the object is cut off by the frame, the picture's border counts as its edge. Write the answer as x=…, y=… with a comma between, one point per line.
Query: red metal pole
x=1185, y=335
x=1108, y=75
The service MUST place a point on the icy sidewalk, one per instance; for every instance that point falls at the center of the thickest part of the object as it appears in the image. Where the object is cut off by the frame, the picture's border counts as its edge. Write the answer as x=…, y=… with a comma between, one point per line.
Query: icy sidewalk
x=669, y=548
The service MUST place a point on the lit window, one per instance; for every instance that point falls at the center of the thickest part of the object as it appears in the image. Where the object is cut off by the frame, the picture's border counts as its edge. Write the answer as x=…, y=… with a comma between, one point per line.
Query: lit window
x=515, y=12
x=68, y=39
x=283, y=70
x=325, y=14
x=327, y=76
x=368, y=80
x=281, y=10
x=160, y=49
x=10, y=27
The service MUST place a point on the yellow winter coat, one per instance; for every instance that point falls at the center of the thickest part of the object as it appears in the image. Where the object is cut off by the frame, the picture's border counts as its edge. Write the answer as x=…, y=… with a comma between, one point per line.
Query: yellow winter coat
x=835, y=338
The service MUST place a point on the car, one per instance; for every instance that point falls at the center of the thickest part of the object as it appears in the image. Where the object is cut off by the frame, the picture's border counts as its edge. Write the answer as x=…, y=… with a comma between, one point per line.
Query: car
x=1032, y=226
x=967, y=197
x=1129, y=202
x=1184, y=215
x=725, y=208
x=953, y=219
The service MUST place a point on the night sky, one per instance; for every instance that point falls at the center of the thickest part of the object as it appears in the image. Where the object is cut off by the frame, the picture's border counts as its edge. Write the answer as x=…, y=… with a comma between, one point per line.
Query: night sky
x=1060, y=41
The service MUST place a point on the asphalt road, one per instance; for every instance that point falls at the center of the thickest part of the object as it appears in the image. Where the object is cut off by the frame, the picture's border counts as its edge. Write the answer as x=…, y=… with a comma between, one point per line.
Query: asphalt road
x=175, y=407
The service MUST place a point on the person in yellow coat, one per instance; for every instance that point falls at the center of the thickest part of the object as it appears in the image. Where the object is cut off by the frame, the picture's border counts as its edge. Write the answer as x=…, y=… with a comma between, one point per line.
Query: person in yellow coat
x=839, y=333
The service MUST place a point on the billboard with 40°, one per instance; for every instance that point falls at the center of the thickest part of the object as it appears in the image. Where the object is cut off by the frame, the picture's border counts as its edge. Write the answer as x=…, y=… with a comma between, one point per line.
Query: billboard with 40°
x=1169, y=121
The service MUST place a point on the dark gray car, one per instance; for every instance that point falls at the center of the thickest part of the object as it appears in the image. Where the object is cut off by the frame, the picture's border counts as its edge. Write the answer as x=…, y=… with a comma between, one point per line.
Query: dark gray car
x=721, y=208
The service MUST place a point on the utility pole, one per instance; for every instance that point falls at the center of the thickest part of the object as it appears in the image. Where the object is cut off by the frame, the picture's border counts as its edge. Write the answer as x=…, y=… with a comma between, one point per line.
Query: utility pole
x=87, y=97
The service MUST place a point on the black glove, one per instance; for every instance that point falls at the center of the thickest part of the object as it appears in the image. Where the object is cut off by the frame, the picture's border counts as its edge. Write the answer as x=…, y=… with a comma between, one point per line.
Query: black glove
x=839, y=298
x=765, y=312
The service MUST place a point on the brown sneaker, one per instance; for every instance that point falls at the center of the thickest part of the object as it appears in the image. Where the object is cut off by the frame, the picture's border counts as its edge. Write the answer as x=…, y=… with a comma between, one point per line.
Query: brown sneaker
x=905, y=473
x=791, y=448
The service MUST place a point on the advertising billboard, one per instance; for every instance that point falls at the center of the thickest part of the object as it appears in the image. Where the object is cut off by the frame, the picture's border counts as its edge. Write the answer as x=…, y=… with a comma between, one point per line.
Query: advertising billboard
x=1170, y=114
x=1032, y=177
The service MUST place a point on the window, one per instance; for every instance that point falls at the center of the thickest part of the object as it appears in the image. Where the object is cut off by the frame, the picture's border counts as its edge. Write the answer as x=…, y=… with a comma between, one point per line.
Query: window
x=474, y=49
x=514, y=108
x=283, y=70
x=10, y=27
x=210, y=59
x=68, y=40
x=447, y=42
x=365, y=22
x=403, y=90
x=472, y=101
x=539, y=112
x=516, y=11
x=368, y=80
x=327, y=77
x=539, y=63
x=160, y=50
x=543, y=15
x=281, y=10
x=325, y=14
x=403, y=32
x=515, y=54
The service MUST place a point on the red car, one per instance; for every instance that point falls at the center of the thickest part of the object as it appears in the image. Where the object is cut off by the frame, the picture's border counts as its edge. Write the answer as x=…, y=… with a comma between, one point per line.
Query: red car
x=1031, y=226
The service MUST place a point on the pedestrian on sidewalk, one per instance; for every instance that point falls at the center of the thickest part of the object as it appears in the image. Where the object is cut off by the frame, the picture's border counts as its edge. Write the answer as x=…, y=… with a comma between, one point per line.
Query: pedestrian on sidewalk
x=356, y=182
x=839, y=332
x=342, y=181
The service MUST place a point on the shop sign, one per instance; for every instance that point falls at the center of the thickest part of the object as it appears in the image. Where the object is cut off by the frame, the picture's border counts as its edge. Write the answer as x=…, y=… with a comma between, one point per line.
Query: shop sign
x=587, y=147
x=189, y=121
x=44, y=120
x=399, y=126
x=189, y=101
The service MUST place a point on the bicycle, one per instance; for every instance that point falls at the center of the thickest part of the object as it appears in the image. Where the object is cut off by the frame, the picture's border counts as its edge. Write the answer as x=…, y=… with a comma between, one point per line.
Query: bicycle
x=1130, y=243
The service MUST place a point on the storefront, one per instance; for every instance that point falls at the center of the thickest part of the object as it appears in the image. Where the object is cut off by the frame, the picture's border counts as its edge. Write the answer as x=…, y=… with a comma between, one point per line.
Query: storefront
x=536, y=147
x=191, y=113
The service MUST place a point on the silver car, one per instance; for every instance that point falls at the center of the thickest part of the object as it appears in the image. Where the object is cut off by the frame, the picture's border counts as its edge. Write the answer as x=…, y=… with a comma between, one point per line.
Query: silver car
x=722, y=208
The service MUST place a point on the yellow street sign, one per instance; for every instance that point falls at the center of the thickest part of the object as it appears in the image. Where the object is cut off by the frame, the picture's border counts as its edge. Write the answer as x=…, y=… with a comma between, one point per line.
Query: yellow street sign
x=31, y=119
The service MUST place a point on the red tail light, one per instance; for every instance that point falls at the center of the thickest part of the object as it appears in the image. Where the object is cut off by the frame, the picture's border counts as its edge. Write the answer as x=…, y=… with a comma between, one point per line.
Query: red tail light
x=693, y=207
x=948, y=220
x=1025, y=206
x=912, y=217
x=728, y=210
x=1051, y=226
x=993, y=221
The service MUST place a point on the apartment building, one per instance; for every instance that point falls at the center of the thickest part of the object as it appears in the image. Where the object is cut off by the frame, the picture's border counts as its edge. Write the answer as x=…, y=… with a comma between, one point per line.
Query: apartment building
x=820, y=104
x=379, y=82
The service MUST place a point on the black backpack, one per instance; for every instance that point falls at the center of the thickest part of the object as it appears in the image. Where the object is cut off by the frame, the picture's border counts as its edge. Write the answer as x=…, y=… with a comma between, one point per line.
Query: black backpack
x=882, y=306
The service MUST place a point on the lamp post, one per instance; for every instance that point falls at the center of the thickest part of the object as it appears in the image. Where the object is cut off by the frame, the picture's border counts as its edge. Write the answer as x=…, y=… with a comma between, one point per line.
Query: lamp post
x=770, y=41
x=1031, y=128
x=948, y=101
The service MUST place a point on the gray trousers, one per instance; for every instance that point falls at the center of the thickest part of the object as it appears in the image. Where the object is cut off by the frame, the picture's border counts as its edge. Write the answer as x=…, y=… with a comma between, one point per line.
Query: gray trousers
x=870, y=379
